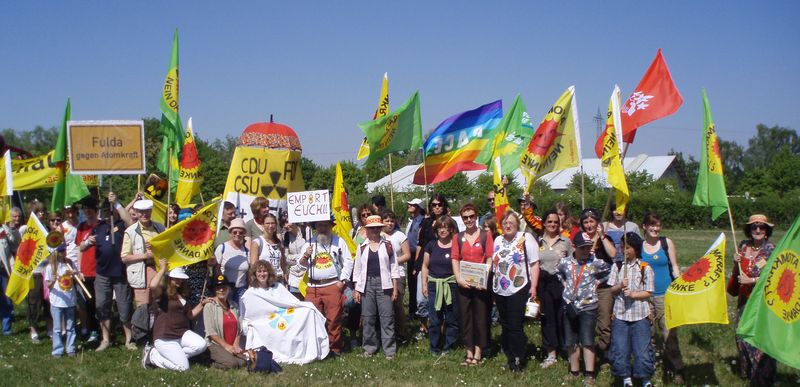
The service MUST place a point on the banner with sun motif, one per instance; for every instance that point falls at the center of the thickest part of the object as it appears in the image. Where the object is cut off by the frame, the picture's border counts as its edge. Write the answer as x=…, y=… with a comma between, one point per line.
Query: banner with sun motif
x=31, y=252
x=698, y=296
x=190, y=240
x=771, y=318
x=556, y=143
x=189, y=178
x=710, y=190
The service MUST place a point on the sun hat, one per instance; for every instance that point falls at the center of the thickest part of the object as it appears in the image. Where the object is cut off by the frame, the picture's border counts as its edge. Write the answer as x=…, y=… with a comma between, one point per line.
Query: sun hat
x=237, y=223
x=759, y=218
x=374, y=221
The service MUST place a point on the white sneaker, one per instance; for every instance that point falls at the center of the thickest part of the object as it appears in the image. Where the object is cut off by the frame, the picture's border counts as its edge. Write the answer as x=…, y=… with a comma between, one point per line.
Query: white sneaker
x=146, y=356
x=550, y=361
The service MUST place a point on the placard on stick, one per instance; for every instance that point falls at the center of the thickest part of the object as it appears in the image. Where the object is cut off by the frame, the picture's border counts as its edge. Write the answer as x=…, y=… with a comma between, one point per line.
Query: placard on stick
x=309, y=206
x=106, y=147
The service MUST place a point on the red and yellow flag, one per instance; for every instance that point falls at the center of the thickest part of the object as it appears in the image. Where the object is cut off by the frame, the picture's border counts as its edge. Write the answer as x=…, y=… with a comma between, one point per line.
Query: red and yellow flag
x=341, y=211
x=611, y=158
x=556, y=143
x=500, y=194
x=698, y=296
x=383, y=109
x=190, y=240
x=190, y=178
x=31, y=252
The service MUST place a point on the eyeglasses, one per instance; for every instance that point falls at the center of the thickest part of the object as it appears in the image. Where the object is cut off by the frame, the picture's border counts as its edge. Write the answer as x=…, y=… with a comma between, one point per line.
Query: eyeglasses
x=759, y=226
x=237, y=232
x=552, y=222
x=55, y=220
x=437, y=204
x=490, y=199
x=366, y=214
x=468, y=217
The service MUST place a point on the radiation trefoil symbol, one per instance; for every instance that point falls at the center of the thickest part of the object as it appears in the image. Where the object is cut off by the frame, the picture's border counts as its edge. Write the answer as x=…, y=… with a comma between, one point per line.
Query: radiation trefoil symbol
x=275, y=177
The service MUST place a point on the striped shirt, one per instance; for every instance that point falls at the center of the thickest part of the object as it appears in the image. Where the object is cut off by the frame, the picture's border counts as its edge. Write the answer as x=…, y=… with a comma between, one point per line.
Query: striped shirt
x=625, y=308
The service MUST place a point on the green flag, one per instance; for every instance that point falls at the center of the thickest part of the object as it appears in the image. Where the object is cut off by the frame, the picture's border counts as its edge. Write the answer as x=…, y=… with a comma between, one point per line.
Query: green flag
x=170, y=128
x=771, y=318
x=400, y=130
x=710, y=190
x=68, y=188
x=513, y=134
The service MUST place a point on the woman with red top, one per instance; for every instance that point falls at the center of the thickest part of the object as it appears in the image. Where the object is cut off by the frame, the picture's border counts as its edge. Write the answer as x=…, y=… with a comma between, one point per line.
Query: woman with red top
x=476, y=246
x=173, y=343
x=222, y=327
x=752, y=257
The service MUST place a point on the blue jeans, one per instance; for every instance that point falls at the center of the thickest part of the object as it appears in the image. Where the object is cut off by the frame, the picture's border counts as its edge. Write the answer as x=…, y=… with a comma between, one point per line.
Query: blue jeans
x=631, y=338
x=6, y=307
x=448, y=315
x=68, y=314
x=422, y=302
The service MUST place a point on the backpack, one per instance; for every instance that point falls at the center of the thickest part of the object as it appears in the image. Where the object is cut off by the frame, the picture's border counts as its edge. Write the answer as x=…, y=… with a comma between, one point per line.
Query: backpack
x=260, y=360
x=665, y=247
x=482, y=236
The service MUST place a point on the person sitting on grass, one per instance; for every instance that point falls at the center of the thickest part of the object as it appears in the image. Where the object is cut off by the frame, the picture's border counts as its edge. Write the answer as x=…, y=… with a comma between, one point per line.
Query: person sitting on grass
x=174, y=343
x=580, y=274
x=222, y=326
x=58, y=277
x=632, y=285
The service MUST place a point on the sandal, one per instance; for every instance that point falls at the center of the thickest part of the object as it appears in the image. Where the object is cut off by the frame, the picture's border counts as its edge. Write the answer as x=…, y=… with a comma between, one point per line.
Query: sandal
x=476, y=361
x=468, y=361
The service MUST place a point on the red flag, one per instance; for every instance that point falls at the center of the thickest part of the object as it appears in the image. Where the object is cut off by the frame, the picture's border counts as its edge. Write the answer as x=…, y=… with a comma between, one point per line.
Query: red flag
x=655, y=97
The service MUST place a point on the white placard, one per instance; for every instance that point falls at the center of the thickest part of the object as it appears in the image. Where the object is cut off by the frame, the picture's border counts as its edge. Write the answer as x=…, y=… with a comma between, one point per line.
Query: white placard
x=309, y=206
x=475, y=274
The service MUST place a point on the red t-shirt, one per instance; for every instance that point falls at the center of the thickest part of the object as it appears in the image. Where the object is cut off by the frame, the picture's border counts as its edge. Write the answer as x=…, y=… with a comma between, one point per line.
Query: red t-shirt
x=229, y=327
x=472, y=252
x=88, y=262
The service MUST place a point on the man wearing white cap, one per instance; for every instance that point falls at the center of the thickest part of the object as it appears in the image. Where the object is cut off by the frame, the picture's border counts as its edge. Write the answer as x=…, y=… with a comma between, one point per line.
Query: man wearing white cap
x=136, y=252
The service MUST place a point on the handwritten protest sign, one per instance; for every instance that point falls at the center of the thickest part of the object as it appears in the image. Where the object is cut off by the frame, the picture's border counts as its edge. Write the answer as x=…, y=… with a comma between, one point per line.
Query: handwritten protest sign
x=309, y=206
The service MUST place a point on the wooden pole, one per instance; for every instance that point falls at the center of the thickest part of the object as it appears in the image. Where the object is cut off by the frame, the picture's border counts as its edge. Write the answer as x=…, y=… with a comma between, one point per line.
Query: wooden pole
x=110, y=214
x=169, y=187
x=138, y=183
x=425, y=173
x=583, y=190
x=737, y=259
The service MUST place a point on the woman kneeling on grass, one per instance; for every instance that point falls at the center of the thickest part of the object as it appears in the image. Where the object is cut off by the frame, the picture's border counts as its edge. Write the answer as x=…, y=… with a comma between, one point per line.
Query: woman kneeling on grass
x=173, y=342
x=632, y=284
x=222, y=327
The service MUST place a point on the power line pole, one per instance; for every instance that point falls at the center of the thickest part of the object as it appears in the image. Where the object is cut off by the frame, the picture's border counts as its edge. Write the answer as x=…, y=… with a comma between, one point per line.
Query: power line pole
x=598, y=123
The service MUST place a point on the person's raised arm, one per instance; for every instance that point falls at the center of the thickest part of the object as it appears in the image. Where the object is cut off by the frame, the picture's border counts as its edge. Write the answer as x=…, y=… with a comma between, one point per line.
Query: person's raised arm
x=155, y=283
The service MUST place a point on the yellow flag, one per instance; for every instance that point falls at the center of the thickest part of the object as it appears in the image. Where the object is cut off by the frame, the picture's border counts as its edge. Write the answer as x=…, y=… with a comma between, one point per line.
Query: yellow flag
x=500, y=194
x=41, y=172
x=383, y=109
x=698, y=296
x=556, y=143
x=190, y=240
x=31, y=252
x=189, y=178
x=611, y=159
x=341, y=211
x=5, y=207
x=159, y=214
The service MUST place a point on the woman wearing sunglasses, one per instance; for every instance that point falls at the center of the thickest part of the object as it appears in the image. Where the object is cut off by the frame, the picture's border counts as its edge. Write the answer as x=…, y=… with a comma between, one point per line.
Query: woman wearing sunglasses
x=750, y=260
x=437, y=207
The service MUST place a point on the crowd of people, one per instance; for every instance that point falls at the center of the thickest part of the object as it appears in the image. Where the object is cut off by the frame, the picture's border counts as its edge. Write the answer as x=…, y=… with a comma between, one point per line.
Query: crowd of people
x=300, y=292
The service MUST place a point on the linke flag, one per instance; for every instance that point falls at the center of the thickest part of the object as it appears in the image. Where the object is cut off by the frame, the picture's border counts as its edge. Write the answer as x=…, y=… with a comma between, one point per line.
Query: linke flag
x=341, y=211
x=710, y=190
x=511, y=137
x=190, y=240
x=771, y=318
x=31, y=252
x=453, y=146
x=401, y=130
x=382, y=110
x=611, y=158
x=190, y=178
x=500, y=194
x=68, y=188
x=170, y=128
x=556, y=144
x=698, y=295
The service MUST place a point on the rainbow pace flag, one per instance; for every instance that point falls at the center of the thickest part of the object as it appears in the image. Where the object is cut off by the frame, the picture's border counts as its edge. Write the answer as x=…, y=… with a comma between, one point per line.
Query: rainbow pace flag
x=771, y=318
x=341, y=211
x=190, y=240
x=710, y=190
x=382, y=110
x=611, y=158
x=556, y=144
x=500, y=194
x=170, y=128
x=189, y=178
x=698, y=295
x=31, y=252
x=512, y=136
x=457, y=141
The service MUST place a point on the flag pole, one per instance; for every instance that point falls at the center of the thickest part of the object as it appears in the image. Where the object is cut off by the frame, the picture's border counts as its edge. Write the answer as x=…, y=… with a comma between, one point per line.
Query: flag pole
x=138, y=183
x=583, y=190
x=391, y=183
x=169, y=185
x=735, y=244
x=425, y=173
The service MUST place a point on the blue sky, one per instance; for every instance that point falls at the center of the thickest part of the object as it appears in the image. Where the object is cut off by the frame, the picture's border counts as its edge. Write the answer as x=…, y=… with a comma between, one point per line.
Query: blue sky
x=317, y=66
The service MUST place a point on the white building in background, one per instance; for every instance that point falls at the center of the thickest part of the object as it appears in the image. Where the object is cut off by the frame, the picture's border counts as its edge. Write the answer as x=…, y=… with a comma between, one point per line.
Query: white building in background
x=657, y=166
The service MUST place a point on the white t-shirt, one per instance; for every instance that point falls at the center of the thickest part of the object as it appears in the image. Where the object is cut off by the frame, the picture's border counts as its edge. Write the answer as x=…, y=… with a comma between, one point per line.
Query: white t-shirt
x=233, y=263
x=62, y=294
x=270, y=253
x=70, y=234
x=397, y=240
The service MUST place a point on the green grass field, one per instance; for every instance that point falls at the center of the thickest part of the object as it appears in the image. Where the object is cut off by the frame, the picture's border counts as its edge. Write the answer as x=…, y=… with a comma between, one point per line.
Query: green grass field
x=708, y=352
